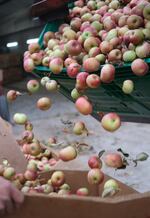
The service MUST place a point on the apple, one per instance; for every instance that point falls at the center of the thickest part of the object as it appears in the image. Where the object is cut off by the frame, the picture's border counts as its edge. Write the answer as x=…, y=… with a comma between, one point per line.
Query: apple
x=106, y=47
x=12, y=95
x=93, y=81
x=128, y=86
x=47, y=188
x=85, y=35
x=115, y=55
x=20, y=118
x=26, y=148
x=114, y=4
x=146, y=12
x=44, y=103
x=111, y=122
x=44, y=80
x=33, y=86
x=73, y=47
x=101, y=58
x=84, y=25
x=45, y=61
x=33, y=48
x=129, y=56
x=86, y=17
x=143, y=50
x=35, y=149
x=95, y=162
x=82, y=192
x=134, y=21
x=69, y=35
x=75, y=94
x=81, y=80
x=69, y=61
x=52, y=85
x=28, y=65
x=67, y=154
x=95, y=176
x=79, y=128
x=27, y=136
x=122, y=20
x=49, y=35
x=1, y=170
x=113, y=160
x=57, y=178
x=92, y=5
x=107, y=74
x=90, y=42
x=56, y=65
x=111, y=34
x=63, y=192
x=108, y=24
x=97, y=25
x=75, y=24
x=25, y=189
x=94, y=52
x=28, y=126
x=32, y=166
x=91, y=65
x=62, y=26
x=139, y=67
x=73, y=69
x=111, y=183
x=146, y=33
x=116, y=42
x=30, y=175
x=65, y=186
x=83, y=106
x=37, y=58
x=96, y=17
x=9, y=173
x=52, y=43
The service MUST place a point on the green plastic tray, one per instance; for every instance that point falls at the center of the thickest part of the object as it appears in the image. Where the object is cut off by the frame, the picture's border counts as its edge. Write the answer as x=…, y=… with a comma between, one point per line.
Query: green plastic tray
x=109, y=97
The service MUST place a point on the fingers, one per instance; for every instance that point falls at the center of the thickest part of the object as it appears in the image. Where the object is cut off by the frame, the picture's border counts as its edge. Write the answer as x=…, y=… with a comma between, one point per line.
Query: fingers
x=16, y=196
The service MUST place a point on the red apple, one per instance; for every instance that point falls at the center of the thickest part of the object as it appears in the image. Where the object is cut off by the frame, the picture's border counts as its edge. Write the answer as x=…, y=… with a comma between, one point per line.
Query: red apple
x=30, y=175
x=139, y=67
x=28, y=65
x=33, y=48
x=83, y=106
x=111, y=122
x=95, y=162
x=107, y=73
x=82, y=192
x=134, y=21
x=106, y=47
x=73, y=69
x=69, y=61
x=81, y=80
x=12, y=95
x=93, y=81
x=113, y=160
x=73, y=47
x=90, y=42
x=91, y=65
x=56, y=65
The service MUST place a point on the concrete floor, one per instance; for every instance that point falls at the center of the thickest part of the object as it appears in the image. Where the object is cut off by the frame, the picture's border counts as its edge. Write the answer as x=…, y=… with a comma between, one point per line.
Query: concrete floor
x=131, y=137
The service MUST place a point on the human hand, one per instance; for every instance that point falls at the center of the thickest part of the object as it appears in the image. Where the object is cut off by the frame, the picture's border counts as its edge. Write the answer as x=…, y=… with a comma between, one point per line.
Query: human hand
x=10, y=197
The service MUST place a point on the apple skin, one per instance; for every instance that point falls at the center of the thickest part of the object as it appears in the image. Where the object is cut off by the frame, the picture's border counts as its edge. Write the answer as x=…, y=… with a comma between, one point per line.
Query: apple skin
x=93, y=81
x=95, y=176
x=91, y=65
x=113, y=160
x=82, y=192
x=107, y=73
x=83, y=106
x=57, y=178
x=67, y=154
x=111, y=122
x=73, y=69
x=128, y=86
x=146, y=12
x=139, y=67
x=33, y=86
x=81, y=81
x=73, y=47
x=56, y=65
x=129, y=56
x=95, y=162
x=44, y=103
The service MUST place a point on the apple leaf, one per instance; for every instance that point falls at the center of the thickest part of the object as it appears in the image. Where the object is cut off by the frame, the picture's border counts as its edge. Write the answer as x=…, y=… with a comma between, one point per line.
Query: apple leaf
x=124, y=153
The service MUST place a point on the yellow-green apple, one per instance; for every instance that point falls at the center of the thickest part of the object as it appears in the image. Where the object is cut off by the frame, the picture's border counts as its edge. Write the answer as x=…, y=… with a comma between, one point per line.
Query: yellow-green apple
x=58, y=178
x=46, y=189
x=128, y=86
x=65, y=186
x=97, y=25
x=134, y=21
x=33, y=86
x=96, y=17
x=86, y=17
x=114, y=4
x=93, y=81
x=143, y=50
x=83, y=106
x=51, y=85
x=106, y=47
x=28, y=65
x=67, y=154
x=9, y=173
x=146, y=12
x=33, y=48
x=91, y=65
x=79, y=128
x=75, y=94
x=69, y=35
x=129, y=56
x=111, y=122
x=139, y=67
x=92, y=5
x=115, y=55
x=95, y=162
x=111, y=34
x=35, y=149
x=63, y=192
x=73, y=47
x=90, y=42
x=114, y=160
x=111, y=183
x=56, y=65
x=146, y=33
x=44, y=80
x=95, y=176
x=44, y=103
x=82, y=192
x=107, y=74
x=101, y=58
x=45, y=61
x=20, y=118
x=52, y=43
